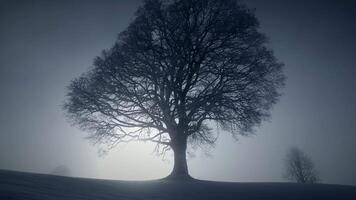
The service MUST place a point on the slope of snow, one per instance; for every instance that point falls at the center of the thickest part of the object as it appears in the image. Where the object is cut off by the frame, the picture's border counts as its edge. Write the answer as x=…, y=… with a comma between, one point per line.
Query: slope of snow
x=28, y=186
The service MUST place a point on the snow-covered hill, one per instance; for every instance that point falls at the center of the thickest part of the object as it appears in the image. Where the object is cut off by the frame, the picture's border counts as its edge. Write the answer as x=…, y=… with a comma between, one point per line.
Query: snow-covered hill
x=29, y=186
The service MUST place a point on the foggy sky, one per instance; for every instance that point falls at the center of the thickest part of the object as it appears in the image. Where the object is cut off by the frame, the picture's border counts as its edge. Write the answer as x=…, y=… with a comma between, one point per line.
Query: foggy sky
x=45, y=44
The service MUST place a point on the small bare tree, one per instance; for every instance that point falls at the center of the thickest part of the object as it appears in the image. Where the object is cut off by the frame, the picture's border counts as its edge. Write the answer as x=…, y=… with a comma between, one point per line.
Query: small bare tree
x=299, y=167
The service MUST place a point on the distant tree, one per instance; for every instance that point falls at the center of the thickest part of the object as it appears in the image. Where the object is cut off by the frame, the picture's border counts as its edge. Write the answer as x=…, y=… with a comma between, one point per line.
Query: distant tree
x=299, y=167
x=179, y=65
x=61, y=170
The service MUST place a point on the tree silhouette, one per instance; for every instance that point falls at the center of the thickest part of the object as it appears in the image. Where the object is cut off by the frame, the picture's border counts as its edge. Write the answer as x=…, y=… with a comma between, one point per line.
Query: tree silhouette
x=299, y=167
x=179, y=65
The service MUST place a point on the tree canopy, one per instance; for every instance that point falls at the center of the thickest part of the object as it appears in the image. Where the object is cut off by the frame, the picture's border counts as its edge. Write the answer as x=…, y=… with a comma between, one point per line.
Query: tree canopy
x=177, y=66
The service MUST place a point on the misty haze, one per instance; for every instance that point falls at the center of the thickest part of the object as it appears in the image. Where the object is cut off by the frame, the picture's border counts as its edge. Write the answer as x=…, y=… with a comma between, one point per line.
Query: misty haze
x=177, y=99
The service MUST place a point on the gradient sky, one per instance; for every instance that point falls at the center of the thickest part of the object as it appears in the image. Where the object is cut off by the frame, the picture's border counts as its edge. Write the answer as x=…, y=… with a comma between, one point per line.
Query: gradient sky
x=45, y=44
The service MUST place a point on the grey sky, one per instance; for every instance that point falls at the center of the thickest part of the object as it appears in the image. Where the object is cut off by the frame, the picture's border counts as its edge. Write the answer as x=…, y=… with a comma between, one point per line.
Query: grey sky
x=45, y=44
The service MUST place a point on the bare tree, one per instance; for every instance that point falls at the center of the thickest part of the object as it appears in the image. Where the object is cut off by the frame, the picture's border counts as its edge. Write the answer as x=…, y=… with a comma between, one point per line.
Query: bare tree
x=179, y=65
x=299, y=167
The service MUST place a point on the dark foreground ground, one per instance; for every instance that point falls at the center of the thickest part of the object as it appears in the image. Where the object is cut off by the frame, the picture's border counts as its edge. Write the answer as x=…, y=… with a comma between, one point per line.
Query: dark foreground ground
x=28, y=186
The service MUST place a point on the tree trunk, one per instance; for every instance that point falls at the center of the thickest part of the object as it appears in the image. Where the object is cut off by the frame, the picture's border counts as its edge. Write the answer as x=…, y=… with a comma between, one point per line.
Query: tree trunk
x=180, y=168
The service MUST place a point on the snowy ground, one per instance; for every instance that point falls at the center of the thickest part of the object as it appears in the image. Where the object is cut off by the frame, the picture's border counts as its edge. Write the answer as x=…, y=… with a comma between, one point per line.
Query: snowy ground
x=28, y=186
